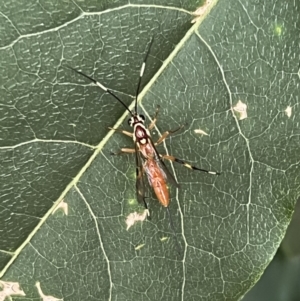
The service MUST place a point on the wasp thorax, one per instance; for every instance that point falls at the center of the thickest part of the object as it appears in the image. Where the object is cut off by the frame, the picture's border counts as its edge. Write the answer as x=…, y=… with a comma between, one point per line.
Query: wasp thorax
x=136, y=119
x=140, y=132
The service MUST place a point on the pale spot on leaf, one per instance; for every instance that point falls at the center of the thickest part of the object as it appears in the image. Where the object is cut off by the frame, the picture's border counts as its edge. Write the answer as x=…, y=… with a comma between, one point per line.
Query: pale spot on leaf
x=134, y=217
x=139, y=247
x=241, y=109
x=164, y=238
x=201, y=132
x=62, y=206
x=288, y=111
x=10, y=289
x=201, y=10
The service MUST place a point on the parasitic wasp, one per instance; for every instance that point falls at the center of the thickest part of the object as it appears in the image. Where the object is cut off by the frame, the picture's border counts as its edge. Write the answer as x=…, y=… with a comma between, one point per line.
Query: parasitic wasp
x=149, y=161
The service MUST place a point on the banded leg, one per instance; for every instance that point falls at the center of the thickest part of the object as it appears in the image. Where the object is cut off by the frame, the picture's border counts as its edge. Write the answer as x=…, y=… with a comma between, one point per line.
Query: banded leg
x=173, y=159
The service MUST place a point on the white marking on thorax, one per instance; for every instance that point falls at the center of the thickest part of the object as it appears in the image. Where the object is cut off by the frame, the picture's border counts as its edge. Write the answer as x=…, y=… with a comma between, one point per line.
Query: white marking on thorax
x=139, y=133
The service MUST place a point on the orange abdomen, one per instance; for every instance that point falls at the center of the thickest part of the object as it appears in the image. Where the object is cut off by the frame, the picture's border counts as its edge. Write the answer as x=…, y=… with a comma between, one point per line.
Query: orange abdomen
x=158, y=182
x=161, y=190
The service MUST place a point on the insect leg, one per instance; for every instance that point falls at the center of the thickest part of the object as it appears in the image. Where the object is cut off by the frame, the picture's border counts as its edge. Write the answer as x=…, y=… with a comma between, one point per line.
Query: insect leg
x=154, y=119
x=173, y=159
x=166, y=134
x=123, y=132
x=123, y=151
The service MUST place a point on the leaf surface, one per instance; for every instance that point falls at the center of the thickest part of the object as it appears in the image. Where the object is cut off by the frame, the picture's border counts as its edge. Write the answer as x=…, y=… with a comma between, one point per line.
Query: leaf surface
x=55, y=146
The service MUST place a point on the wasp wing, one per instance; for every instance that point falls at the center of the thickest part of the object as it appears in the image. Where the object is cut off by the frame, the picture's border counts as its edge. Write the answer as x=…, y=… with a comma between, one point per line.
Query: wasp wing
x=168, y=176
x=140, y=180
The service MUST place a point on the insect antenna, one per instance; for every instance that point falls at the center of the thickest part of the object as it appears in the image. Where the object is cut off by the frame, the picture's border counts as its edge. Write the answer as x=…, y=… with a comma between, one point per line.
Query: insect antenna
x=102, y=87
x=173, y=230
x=141, y=74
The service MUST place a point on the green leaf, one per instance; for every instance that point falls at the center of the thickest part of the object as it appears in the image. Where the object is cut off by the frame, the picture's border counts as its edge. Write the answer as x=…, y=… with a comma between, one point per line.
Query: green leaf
x=55, y=146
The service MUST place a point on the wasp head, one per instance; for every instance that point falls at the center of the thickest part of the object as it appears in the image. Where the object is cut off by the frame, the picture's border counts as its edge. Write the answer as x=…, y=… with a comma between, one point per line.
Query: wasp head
x=136, y=119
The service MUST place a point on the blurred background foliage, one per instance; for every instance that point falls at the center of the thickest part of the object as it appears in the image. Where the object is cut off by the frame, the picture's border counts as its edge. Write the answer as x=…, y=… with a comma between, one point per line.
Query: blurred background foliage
x=281, y=279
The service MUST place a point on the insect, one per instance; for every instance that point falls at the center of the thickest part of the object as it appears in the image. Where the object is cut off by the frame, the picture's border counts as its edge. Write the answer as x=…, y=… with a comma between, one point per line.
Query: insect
x=148, y=160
